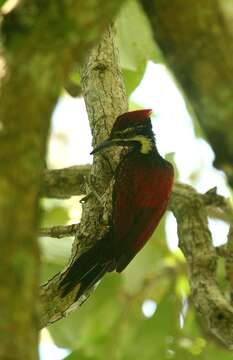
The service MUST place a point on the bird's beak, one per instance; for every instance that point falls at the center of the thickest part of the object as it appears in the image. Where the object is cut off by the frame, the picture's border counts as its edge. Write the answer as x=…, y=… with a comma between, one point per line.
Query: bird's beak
x=108, y=143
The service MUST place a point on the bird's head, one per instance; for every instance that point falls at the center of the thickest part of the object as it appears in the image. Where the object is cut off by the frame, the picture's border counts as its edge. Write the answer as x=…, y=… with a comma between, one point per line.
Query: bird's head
x=132, y=128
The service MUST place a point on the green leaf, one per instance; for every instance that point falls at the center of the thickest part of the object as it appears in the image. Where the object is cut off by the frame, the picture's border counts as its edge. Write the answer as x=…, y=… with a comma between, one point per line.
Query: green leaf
x=2, y=2
x=135, y=39
x=151, y=338
x=135, y=43
x=133, y=78
x=79, y=355
x=75, y=77
x=148, y=261
x=92, y=322
x=72, y=84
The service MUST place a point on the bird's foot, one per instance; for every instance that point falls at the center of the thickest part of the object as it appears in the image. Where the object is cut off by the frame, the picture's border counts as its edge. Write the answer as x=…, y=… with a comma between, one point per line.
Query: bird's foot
x=110, y=166
x=90, y=190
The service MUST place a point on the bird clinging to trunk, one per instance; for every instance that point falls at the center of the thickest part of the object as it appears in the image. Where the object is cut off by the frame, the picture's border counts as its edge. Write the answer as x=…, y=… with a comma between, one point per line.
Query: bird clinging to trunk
x=142, y=187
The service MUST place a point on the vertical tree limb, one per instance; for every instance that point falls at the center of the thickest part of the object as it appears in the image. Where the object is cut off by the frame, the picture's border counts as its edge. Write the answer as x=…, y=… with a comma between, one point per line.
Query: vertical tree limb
x=43, y=41
x=23, y=138
x=105, y=98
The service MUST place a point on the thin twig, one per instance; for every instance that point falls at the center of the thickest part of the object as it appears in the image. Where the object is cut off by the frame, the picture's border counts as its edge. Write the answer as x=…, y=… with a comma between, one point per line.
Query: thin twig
x=59, y=231
x=64, y=183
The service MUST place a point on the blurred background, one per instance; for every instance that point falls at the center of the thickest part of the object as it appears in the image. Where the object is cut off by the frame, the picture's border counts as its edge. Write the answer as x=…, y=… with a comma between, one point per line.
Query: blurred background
x=146, y=312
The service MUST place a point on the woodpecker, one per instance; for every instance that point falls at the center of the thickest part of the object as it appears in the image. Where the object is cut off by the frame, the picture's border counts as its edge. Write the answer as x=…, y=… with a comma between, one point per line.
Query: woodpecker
x=142, y=187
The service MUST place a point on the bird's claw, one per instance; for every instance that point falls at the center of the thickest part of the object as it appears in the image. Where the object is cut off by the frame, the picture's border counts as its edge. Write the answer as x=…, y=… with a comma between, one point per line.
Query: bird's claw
x=90, y=190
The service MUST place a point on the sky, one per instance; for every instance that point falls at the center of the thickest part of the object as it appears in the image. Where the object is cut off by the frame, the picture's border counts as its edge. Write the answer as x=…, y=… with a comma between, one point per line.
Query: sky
x=71, y=145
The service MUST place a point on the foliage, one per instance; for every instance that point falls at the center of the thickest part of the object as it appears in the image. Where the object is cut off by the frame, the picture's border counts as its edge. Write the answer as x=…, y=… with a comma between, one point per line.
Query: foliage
x=114, y=320
x=2, y=2
x=134, y=51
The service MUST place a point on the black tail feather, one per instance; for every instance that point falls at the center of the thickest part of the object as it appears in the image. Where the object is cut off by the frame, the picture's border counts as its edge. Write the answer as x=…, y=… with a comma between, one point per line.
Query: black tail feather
x=87, y=269
x=92, y=278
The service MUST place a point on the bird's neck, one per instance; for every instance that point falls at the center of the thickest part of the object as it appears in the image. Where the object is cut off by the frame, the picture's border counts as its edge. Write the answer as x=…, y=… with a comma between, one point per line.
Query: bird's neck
x=145, y=142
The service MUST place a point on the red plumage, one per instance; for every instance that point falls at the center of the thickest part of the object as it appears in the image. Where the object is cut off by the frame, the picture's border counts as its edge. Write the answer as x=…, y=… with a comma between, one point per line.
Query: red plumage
x=143, y=184
x=131, y=119
x=140, y=196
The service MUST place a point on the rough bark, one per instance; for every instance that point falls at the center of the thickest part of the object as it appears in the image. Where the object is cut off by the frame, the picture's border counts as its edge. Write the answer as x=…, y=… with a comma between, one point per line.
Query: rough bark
x=197, y=43
x=24, y=129
x=63, y=183
x=190, y=209
x=105, y=99
x=43, y=41
x=60, y=231
x=218, y=207
x=214, y=310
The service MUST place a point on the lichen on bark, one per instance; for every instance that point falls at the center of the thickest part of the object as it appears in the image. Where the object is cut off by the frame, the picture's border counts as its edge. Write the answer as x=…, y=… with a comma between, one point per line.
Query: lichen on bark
x=105, y=98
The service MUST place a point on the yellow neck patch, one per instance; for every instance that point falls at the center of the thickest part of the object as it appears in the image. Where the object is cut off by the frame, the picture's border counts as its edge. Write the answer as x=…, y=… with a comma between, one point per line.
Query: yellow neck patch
x=146, y=144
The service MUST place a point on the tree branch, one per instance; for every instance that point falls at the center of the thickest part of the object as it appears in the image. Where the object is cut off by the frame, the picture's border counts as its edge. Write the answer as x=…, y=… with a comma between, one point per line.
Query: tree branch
x=64, y=183
x=217, y=206
x=67, y=182
x=105, y=99
x=59, y=231
x=190, y=210
x=100, y=76
x=43, y=41
x=216, y=313
x=197, y=43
